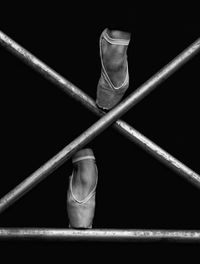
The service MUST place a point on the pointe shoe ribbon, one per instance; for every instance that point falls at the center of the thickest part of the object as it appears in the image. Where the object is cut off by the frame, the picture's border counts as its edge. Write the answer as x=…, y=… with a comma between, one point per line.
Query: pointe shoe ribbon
x=108, y=95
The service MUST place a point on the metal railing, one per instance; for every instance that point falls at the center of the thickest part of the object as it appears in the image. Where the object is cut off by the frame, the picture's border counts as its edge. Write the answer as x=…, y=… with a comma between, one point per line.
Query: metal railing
x=105, y=121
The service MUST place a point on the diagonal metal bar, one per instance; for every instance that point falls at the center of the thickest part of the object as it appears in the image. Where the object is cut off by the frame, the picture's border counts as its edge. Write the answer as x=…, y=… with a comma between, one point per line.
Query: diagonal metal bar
x=99, y=127
x=121, y=126
x=111, y=235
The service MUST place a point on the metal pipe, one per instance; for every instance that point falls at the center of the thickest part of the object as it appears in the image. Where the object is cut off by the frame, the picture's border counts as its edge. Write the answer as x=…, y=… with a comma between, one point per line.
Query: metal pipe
x=73, y=90
x=89, y=103
x=113, y=235
x=98, y=127
x=121, y=126
x=47, y=72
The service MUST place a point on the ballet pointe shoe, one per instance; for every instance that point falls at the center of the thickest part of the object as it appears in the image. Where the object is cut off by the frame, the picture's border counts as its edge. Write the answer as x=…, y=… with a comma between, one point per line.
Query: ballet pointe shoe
x=82, y=189
x=114, y=80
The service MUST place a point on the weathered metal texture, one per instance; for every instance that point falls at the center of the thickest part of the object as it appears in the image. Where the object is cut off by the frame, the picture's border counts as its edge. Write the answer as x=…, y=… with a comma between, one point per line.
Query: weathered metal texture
x=101, y=125
x=74, y=91
x=46, y=71
x=113, y=235
x=89, y=103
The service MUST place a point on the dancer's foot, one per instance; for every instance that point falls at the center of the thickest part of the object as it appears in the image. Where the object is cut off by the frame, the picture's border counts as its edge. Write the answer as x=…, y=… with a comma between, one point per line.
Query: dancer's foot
x=114, y=78
x=85, y=177
x=81, y=192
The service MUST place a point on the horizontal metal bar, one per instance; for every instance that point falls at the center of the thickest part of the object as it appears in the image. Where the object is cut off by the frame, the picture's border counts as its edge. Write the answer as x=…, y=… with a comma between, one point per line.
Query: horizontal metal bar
x=113, y=235
x=99, y=127
x=89, y=103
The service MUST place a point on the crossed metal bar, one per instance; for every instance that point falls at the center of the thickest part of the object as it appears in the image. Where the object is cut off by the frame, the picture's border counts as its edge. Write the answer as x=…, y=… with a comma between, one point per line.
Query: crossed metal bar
x=102, y=123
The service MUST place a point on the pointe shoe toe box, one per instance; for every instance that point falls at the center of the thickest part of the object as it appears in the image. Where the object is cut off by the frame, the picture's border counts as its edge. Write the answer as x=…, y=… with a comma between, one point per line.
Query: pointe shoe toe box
x=107, y=97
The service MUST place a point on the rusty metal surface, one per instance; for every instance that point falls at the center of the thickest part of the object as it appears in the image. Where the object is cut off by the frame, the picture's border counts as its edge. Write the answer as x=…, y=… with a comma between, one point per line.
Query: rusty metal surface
x=100, y=125
x=117, y=235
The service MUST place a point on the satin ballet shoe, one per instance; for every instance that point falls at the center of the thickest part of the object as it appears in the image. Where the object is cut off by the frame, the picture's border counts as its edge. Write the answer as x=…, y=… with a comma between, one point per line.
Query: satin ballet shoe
x=108, y=95
x=81, y=212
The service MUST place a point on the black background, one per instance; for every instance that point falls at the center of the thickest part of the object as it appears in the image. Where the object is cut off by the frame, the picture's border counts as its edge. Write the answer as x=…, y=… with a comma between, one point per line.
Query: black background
x=38, y=120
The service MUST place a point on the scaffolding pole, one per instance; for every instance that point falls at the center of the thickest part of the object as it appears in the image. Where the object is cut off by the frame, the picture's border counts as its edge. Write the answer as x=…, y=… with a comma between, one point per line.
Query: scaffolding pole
x=99, y=127
x=121, y=126
x=110, y=235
